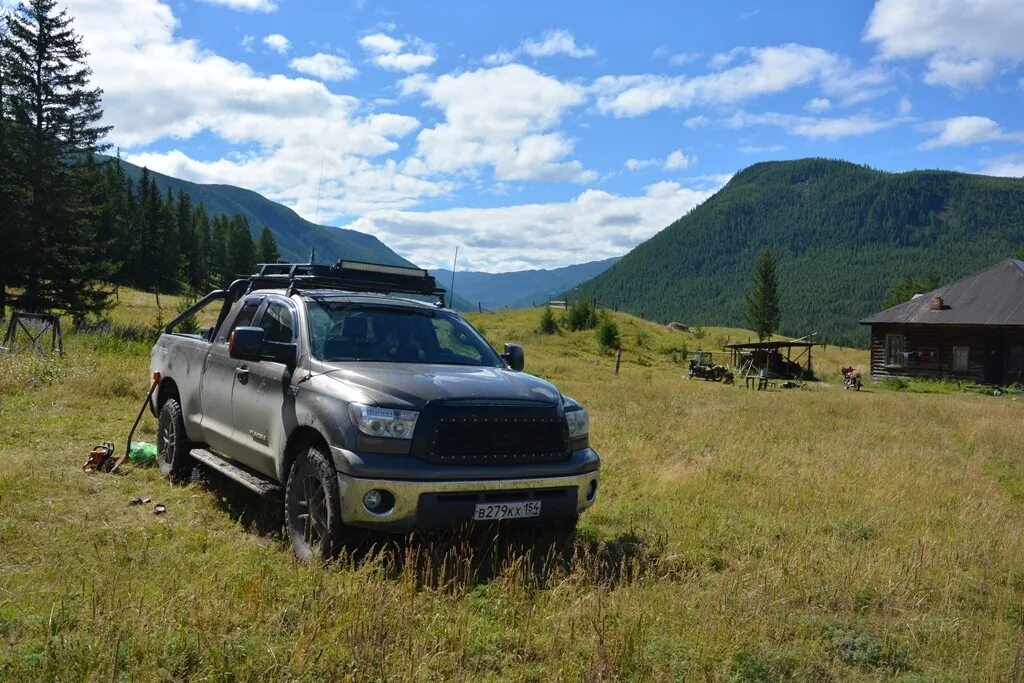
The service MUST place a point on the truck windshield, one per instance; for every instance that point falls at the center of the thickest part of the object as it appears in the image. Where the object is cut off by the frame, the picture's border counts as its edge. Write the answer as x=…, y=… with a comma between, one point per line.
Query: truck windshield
x=342, y=331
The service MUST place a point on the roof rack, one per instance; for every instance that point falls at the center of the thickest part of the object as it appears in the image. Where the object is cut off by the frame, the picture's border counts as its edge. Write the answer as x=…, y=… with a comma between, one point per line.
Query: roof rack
x=349, y=276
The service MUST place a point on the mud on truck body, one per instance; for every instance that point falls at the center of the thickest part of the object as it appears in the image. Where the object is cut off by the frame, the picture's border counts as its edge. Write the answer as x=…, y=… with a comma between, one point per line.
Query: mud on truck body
x=366, y=409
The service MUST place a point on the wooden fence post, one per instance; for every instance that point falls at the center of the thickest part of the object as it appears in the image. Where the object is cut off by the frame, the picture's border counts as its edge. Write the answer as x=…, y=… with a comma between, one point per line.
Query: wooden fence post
x=618, y=361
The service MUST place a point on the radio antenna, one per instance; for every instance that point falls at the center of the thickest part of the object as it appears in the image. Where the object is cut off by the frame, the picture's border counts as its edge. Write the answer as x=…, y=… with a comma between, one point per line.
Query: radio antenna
x=451, y=291
x=319, y=185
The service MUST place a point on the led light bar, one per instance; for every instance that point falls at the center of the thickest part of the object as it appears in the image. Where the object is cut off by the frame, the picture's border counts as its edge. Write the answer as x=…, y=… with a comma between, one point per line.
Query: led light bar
x=403, y=271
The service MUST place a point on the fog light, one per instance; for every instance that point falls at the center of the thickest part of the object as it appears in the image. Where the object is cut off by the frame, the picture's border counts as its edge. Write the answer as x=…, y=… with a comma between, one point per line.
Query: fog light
x=592, y=490
x=372, y=500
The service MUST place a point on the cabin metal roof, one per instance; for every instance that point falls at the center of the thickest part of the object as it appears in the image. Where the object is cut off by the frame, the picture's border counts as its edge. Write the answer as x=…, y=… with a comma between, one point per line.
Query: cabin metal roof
x=994, y=296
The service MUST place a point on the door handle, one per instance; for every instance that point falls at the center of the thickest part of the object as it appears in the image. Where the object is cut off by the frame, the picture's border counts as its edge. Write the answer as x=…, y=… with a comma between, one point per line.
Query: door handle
x=242, y=374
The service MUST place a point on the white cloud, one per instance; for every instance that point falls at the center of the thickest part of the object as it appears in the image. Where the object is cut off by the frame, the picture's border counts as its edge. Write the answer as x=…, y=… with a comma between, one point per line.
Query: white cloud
x=962, y=39
x=1010, y=166
x=247, y=41
x=247, y=5
x=905, y=106
x=503, y=118
x=698, y=121
x=593, y=225
x=683, y=58
x=811, y=126
x=387, y=52
x=324, y=66
x=957, y=71
x=963, y=131
x=677, y=161
x=818, y=104
x=551, y=44
x=278, y=43
x=161, y=87
x=766, y=71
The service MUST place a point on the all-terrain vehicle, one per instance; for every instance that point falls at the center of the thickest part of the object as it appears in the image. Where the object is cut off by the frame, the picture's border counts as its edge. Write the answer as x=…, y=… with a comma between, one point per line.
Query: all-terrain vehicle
x=366, y=409
x=703, y=366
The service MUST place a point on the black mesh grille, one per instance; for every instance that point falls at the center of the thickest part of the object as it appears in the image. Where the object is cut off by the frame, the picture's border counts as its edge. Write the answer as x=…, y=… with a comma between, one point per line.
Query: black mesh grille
x=499, y=438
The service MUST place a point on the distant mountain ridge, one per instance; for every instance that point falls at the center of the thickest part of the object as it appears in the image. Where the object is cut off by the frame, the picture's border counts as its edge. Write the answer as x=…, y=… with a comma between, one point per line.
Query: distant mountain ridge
x=522, y=288
x=295, y=235
x=842, y=235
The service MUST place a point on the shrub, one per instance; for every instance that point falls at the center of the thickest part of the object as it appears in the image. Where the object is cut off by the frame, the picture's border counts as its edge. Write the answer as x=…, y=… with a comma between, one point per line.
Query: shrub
x=548, y=324
x=698, y=332
x=896, y=383
x=189, y=325
x=581, y=316
x=608, y=335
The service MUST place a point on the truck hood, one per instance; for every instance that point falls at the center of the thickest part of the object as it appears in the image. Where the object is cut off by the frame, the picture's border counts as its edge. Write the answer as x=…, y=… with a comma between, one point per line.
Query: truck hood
x=412, y=385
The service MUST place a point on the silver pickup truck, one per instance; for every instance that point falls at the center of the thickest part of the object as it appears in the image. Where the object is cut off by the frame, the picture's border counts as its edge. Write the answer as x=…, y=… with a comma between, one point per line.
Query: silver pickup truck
x=367, y=409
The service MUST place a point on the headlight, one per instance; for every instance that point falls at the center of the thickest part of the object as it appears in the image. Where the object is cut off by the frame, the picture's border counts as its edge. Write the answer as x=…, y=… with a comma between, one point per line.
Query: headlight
x=383, y=422
x=579, y=423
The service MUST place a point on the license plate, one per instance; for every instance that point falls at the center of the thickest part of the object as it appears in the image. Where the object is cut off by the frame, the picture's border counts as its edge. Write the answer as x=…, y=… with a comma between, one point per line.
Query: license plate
x=486, y=512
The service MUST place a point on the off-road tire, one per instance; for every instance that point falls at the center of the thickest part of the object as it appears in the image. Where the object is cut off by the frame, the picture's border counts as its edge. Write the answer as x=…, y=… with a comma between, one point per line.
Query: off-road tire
x=174, y=451
x=312, y=507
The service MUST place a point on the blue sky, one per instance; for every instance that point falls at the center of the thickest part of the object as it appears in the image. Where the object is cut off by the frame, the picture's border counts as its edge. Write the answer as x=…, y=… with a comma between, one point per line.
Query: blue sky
x=544, y=134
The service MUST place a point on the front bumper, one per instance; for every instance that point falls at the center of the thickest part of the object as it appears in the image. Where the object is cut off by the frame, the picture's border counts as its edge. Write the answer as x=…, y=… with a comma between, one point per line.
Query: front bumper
x=432, y=504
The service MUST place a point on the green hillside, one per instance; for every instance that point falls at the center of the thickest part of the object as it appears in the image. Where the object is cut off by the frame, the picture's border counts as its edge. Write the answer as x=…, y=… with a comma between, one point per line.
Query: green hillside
x=295, y=235
x=842, y=234
x=521, y=288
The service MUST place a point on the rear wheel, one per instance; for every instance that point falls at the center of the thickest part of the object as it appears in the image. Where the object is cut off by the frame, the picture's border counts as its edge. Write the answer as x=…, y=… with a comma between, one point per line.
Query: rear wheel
x=174, y=452
x=312, y=507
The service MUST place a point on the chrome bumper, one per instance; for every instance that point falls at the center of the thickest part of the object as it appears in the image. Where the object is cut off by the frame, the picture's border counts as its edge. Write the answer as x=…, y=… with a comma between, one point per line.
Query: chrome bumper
x=403, y=516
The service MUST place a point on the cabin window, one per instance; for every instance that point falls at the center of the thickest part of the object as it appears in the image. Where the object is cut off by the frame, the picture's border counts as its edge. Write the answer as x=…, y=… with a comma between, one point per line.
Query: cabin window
x=894, y=356
x=960, y=358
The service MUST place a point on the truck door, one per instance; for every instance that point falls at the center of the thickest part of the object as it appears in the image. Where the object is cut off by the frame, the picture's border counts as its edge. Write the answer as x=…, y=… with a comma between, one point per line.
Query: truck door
x=219, y=380
x=263, y=406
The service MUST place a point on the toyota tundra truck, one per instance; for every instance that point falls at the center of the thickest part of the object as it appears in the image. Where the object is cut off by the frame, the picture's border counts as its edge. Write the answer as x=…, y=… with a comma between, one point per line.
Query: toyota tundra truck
x=365, y=405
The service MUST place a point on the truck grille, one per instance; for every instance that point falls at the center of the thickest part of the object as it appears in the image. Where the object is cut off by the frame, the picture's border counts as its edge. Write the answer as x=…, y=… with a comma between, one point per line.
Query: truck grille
x=498, y=437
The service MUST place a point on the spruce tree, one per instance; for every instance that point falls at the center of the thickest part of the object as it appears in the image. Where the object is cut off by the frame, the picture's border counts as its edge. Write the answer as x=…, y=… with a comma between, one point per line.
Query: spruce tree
x=763, y=309
x=55, y=116
x=266, y=247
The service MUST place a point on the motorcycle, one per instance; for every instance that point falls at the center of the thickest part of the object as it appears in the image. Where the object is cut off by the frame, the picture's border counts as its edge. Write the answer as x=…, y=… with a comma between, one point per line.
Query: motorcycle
x=851, y=378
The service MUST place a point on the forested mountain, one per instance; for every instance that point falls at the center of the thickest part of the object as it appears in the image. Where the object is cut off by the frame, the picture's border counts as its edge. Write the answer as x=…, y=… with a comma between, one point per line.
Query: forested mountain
x=520, y=288
x=295, y=235
x=842, y=235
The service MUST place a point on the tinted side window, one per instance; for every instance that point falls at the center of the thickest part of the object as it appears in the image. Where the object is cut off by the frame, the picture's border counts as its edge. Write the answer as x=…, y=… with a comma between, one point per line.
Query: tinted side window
x=244, y=317
x=277, y=323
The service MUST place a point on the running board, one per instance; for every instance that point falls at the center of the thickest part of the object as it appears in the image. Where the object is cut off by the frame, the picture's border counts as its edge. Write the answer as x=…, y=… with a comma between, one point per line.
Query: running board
x=251, y=480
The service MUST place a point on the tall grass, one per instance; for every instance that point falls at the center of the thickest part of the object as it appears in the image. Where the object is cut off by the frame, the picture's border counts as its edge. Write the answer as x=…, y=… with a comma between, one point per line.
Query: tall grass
x=738, y=536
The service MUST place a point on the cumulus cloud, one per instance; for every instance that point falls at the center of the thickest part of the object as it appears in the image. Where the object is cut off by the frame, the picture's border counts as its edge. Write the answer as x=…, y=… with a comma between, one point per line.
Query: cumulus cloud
x=391, y=53
x=551, y=44
x=160, y=87
x=764, y=71
x=324, y=66
x=503, y=118
x=963, y=40
x=533, y=235
x=247, y=5
x=278, y=43
x=963, y=131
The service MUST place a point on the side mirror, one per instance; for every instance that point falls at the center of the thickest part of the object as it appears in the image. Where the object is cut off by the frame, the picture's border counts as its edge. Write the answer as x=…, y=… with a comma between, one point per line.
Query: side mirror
x=281, y=352
x=514, y=356
x=246, y=343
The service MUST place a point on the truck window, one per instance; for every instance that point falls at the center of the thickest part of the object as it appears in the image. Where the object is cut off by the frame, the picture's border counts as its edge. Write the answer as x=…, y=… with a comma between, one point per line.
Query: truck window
x=277, y=323
x=340, y=331
x=244, y=317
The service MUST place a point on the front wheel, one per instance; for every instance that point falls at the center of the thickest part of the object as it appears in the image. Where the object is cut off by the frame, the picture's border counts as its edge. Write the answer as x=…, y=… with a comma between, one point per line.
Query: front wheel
x=312, y=507
x=174, y=453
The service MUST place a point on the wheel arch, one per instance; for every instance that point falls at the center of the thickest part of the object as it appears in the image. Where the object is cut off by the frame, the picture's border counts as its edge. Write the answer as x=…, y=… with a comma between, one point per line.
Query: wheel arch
x=302, y=437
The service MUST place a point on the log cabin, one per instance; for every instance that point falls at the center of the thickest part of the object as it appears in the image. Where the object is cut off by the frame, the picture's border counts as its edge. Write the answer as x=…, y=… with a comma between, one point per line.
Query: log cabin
x=970, y=330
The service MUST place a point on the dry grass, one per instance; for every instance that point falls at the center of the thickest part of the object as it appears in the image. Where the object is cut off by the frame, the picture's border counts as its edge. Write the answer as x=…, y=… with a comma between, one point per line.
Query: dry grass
x=810, y=534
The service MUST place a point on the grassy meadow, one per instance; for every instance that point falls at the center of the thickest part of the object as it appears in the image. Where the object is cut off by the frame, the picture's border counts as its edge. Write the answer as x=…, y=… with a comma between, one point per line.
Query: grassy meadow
x=809, y=534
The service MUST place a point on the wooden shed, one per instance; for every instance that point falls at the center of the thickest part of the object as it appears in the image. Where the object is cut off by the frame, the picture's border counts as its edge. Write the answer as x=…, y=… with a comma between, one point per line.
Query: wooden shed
x=970, y=330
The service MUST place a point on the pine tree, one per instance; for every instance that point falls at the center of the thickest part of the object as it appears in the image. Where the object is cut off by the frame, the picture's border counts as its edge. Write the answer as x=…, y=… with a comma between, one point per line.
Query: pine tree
x=55, y=115
x=266, y=247
x=763, y=309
